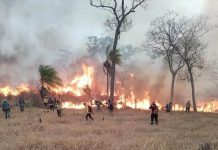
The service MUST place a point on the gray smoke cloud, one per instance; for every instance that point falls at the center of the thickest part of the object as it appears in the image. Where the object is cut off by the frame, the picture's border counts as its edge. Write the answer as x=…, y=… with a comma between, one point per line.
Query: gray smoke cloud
x=33, y=33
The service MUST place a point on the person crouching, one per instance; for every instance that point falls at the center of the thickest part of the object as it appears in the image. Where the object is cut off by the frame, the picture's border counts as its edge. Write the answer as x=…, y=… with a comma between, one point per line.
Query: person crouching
x=154, y=113
x=88, y=111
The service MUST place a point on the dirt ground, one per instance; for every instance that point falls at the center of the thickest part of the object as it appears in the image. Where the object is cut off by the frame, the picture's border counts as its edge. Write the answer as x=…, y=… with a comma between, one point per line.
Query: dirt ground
x=127, y=130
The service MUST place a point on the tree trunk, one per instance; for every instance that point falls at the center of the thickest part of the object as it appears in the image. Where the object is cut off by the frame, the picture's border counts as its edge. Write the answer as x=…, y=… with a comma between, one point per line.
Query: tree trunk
x=107, y=84
x=193, y=89
x=112, y=85
x=172, y=87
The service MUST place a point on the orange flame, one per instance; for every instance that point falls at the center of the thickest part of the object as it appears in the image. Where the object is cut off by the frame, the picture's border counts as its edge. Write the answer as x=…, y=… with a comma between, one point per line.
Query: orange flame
x=134, y=103
x=7, y=90
x=78, y=83
x=72, y=105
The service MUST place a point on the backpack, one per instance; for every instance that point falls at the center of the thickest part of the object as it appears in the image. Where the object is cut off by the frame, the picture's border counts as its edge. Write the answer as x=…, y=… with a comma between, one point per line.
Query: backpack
x=5, y=105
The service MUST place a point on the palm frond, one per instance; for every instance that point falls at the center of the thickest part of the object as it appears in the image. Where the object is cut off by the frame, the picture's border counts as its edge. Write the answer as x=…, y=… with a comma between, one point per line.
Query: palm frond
x=117, y=57
x=49, y=76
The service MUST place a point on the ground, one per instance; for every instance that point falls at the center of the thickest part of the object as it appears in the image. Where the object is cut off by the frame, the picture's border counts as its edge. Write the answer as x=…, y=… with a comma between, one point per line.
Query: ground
x=127, y=130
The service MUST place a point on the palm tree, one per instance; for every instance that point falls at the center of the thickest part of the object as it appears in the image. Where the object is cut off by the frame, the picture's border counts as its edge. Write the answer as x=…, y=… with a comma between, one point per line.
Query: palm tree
x=108, y=63
x=48, y=79
x=107, y=67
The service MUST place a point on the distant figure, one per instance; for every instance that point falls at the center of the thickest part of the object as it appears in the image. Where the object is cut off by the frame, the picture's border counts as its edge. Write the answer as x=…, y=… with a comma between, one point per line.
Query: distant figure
x=51, y=104
x=55, y=101
x=88, y=111
x=6, y=109
x=45, y=101
x=110, y=107
x=59, y=109
x=21, y=103
x=98, y=104
x=188, y=106
x=169, y=107
x=154, y=113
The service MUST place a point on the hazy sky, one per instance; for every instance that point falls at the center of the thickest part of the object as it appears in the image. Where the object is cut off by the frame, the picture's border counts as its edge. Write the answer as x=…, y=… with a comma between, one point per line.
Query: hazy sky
x=32, y=31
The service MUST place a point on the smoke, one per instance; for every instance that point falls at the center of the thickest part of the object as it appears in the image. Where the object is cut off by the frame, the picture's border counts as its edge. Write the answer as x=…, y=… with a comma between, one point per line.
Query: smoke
x=34, y=32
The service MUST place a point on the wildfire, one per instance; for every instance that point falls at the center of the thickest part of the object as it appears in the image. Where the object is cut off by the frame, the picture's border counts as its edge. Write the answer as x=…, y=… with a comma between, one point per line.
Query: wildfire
x=78, y=83
x=7, y=90
x=133, y=102
x=85, y=80
x=73, y=106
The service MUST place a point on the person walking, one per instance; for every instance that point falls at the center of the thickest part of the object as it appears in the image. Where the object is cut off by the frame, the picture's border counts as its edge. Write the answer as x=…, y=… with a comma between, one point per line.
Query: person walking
x=89, y=112
x=21, y=103
x=6, y=109
x=154, y=113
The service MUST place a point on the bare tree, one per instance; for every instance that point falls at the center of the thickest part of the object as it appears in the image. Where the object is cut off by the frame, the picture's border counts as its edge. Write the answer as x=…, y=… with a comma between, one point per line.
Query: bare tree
x=191, y=48
x=119, y=22
x=161, y=38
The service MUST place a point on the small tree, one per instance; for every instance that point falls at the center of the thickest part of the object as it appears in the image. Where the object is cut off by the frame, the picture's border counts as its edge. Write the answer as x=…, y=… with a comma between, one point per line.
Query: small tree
x=118, y=23
x=161, y=38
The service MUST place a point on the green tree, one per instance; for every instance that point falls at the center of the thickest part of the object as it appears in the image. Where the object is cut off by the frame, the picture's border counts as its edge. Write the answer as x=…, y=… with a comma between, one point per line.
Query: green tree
x=48, y=79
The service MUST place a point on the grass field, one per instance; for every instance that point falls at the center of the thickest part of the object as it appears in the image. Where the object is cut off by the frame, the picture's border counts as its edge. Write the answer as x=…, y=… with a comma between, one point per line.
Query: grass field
x=127, y=130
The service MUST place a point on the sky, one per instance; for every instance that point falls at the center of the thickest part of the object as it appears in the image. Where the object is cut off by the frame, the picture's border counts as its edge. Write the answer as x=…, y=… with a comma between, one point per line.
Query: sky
x=33, y=31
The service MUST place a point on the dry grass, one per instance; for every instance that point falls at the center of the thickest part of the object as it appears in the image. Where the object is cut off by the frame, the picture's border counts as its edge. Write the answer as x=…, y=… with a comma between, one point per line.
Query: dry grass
x=127, y=130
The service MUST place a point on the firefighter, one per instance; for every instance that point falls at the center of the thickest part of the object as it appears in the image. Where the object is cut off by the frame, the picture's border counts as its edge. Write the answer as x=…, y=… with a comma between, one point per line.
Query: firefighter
x=89, y=111
x=98, y=105
x=110, y=107
x=6, y=109
x=59, y=109
x=169, y=107
x=188, y=106
x=45, y=101
x=51, y=104
x=154, y=113
x=21, y=103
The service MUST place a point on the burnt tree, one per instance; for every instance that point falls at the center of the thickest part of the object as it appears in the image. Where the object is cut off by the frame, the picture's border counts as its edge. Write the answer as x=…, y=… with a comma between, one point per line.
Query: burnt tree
x=160, y=43
x=119, y=22
x=191, y=48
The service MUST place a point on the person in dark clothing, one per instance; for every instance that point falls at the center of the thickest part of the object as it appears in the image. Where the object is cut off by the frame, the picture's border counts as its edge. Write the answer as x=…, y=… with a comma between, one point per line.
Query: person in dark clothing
x=21, y=103
x=98, y=104
x=110, y=107
x=51, y=104
x=169, y=107
x=46, y=102
x=59, y=109
x=88, y=111
x=55, y=101
x=188, y=106
x=6, y=109
x=154, y=113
